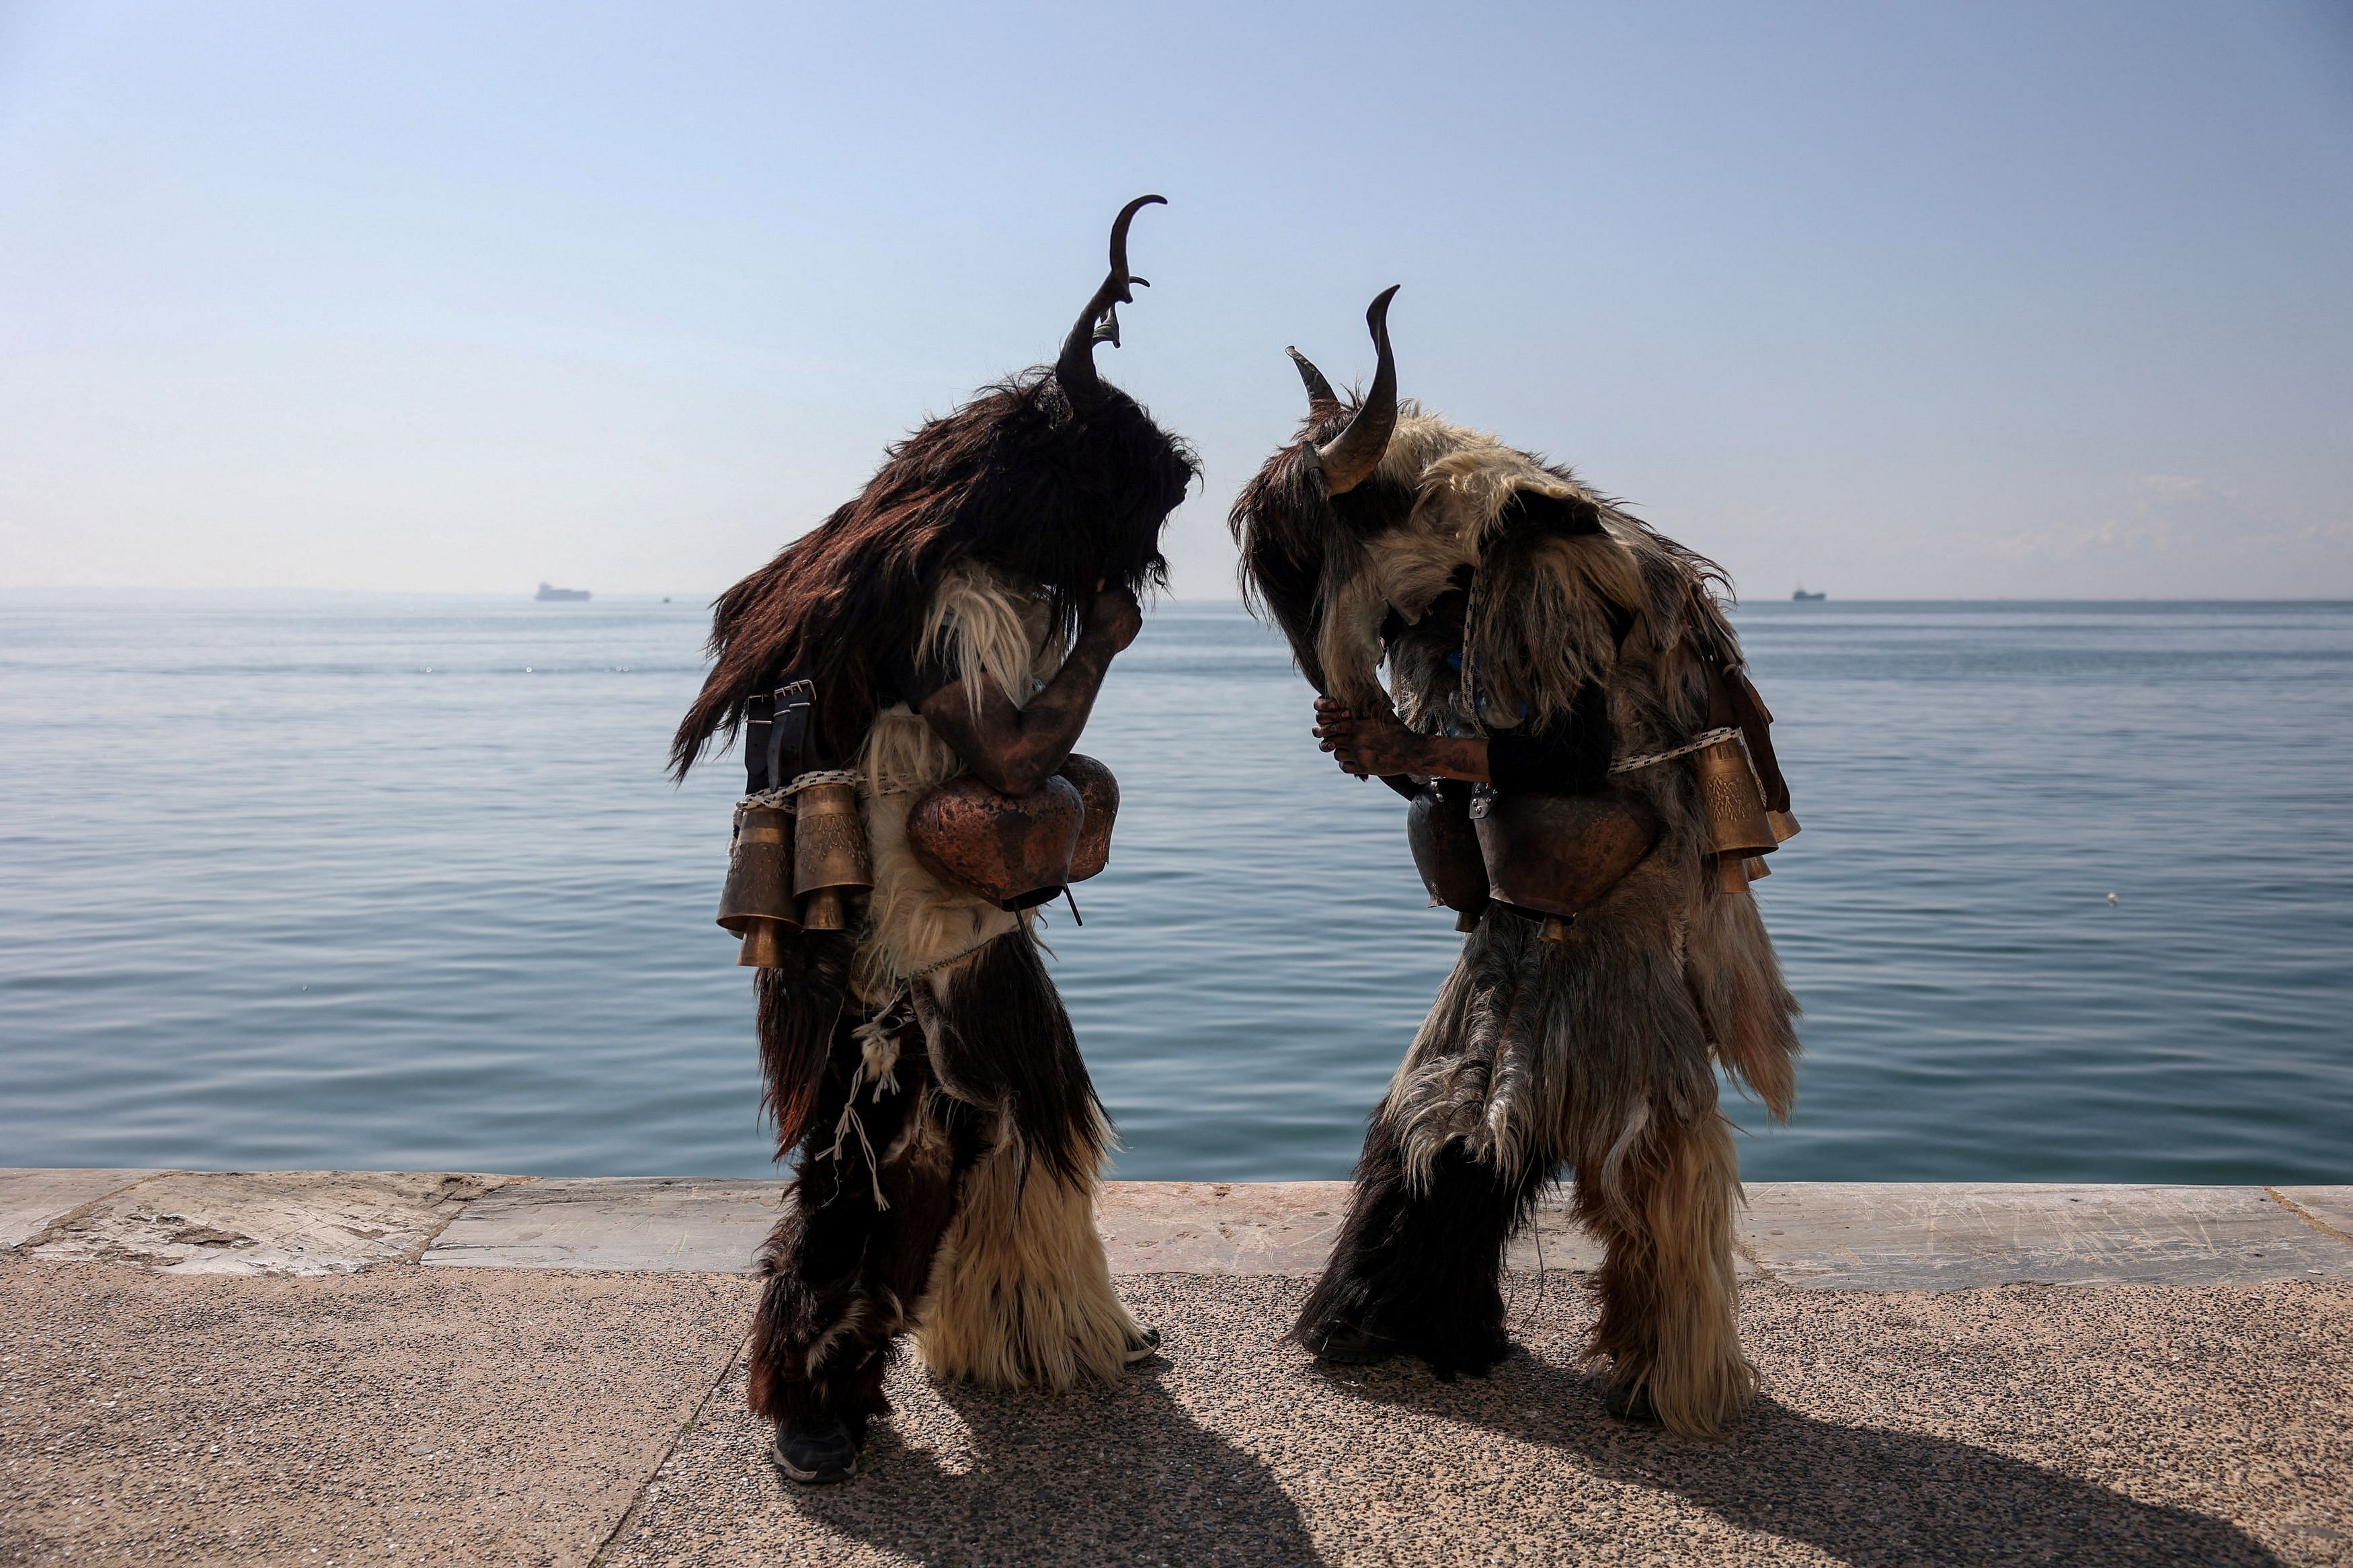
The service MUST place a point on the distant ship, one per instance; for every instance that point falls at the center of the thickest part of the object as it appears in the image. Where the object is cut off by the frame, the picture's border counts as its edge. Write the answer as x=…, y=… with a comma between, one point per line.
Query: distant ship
x=548, y=596
x=1800, y=597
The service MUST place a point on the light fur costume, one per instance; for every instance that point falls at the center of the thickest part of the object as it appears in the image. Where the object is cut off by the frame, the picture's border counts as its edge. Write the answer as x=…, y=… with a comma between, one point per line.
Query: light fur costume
x=1597, y=1053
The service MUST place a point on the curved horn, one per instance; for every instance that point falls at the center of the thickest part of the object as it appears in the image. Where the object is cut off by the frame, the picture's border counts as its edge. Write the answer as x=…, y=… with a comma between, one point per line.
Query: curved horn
x=1099, y=320
x=1350, y=458
x=1318, y=389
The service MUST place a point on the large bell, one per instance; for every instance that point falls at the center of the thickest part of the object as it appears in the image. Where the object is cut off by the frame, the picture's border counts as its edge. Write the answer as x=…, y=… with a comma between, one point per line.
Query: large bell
x=1561, y=854
x=1099, y=793
x=1015, y=850
x=1734, y=806
x=756, y=901
x=830, y=855
x=1446, y=850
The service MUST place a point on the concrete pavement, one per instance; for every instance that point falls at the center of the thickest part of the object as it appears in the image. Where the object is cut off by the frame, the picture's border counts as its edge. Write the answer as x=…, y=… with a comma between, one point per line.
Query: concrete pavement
x=381, y=1367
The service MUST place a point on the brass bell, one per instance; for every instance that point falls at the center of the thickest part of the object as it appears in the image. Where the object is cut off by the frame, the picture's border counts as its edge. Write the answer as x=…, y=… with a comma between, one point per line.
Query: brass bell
x=757, y=903
x=1784, y=827
x=1446, y=851
x=1015, y=850
x=830, y=854
x=1734, y=805
x=1562, y=854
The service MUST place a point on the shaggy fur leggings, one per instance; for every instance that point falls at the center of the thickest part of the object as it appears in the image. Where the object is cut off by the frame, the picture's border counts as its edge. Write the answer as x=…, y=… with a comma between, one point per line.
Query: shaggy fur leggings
x=967, y=1100
x=1423, y=1265
x=849, y=1260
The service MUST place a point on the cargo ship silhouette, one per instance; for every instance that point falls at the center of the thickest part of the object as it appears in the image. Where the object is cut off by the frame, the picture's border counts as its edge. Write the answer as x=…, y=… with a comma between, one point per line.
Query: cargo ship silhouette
x=560, y=596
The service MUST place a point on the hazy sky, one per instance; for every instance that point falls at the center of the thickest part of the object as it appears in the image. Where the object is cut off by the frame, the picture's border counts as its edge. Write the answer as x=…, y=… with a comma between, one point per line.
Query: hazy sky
x=1902, y=300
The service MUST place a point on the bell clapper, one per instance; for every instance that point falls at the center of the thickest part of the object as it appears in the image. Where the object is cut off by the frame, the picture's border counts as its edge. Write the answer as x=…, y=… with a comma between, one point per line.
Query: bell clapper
x=1554, y=929
x=1072, y=899
x=763, y=945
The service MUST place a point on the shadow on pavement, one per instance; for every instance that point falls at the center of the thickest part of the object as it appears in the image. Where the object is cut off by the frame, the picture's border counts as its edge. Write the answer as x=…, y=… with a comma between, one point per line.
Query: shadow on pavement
x=1862, y=1494
x=1127, y=1477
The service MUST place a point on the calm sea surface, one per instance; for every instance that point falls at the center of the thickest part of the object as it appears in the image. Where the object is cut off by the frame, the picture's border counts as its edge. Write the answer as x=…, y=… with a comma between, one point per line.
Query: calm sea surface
x=387, y=881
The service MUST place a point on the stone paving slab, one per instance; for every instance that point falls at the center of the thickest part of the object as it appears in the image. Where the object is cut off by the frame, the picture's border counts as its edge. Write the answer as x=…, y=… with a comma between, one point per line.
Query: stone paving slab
x=32, y=1199
x=1878, y=1235
x=2329, y=1207
x=267, y=1222
x=1220, y=1227
x=2121, y=1424
x=1955, y=1235
x=398, y=1416
x=706, y=1224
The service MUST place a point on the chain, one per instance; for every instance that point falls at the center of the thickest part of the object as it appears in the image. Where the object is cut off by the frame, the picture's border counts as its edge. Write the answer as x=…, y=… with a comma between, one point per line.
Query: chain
x=1700, y=742
x=958, y=957
x=781, y=798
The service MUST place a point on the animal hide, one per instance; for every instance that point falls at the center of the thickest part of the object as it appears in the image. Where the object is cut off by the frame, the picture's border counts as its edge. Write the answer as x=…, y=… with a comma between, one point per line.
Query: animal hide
x=1598, y=1052
x=981, y=541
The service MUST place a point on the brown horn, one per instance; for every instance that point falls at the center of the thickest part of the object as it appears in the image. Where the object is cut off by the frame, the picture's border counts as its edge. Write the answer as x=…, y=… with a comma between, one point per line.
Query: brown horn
x=1318, y=389
x=1100, y=322
x=1350, y=458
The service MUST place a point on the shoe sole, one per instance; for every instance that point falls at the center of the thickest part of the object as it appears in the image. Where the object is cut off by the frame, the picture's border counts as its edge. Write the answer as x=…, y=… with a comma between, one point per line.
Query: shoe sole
x=811, y=1478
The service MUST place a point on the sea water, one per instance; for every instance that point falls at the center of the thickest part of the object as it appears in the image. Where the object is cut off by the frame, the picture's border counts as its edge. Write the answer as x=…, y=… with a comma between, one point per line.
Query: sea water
x=371, y=881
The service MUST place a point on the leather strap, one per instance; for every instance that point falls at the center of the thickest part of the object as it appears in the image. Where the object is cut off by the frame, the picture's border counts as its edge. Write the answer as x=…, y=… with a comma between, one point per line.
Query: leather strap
x=1734, y=701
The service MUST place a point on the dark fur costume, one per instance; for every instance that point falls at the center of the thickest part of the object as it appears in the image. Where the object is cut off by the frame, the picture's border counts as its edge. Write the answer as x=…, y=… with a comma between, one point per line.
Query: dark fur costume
x=1597, y=1053
x=922, y=1070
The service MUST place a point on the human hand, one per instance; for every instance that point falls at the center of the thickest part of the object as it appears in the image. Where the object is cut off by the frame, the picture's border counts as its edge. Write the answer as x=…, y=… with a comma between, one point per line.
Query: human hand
x=1366, y=746
x=1114, y=614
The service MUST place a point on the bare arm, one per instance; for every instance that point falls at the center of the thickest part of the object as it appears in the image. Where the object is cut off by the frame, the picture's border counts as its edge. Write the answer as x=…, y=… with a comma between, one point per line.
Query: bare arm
x=1380, y=744
x=1015, y=750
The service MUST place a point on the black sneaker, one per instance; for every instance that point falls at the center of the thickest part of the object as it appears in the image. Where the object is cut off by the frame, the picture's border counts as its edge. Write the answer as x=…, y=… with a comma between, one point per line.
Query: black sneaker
x=1339, y=1343
x=1630, y=1402
x=817, y=1455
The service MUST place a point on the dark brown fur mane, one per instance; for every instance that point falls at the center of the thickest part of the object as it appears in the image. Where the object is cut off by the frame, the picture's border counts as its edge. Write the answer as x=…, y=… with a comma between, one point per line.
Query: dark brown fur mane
x=1016, y=479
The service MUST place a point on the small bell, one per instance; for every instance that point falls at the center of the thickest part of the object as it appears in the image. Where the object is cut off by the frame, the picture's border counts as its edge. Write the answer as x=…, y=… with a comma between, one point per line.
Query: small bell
x=764, y=944
x=757, y=903
x=830, y=854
